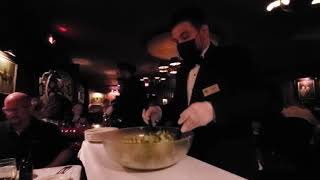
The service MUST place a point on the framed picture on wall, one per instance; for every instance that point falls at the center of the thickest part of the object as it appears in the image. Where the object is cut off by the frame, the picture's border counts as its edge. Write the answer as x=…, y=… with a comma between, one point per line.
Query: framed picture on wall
x=306, y=88
x=8, y=74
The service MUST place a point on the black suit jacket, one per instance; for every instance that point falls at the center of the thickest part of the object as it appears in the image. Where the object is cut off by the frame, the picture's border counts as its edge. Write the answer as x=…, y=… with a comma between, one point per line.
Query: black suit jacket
x=226, y=142
x=41, y=141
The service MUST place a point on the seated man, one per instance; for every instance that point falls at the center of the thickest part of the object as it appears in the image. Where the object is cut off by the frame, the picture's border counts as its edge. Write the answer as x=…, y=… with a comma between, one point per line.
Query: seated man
x=23, y=136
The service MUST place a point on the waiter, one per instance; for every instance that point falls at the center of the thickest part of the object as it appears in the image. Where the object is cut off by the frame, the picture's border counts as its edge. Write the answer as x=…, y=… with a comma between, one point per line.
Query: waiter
x=216, y=97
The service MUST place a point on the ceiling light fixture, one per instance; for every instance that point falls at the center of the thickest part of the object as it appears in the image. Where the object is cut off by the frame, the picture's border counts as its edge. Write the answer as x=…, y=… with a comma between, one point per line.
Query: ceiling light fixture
x=277, y=3
x=285, y=2
x=173, y=72
x=163, y=67
x=51, y=40
x=273, y=5
x=163, y=70
x=97, y=95
x=315, y=2
x=164, y=101
x=175, y=63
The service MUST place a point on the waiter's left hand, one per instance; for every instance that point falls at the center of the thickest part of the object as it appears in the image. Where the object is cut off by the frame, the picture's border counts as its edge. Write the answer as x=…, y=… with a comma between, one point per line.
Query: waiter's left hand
x=196, y=115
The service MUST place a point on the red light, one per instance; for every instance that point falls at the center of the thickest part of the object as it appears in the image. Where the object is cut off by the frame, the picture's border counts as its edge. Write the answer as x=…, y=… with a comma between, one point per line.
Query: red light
x=62, y=29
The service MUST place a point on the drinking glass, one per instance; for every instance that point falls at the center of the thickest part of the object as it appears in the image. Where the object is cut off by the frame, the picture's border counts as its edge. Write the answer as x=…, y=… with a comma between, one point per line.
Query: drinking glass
x=8, y=169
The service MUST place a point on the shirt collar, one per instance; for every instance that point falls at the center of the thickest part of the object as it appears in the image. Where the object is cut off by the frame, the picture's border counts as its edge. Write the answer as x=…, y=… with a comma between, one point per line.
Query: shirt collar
x=205, y=50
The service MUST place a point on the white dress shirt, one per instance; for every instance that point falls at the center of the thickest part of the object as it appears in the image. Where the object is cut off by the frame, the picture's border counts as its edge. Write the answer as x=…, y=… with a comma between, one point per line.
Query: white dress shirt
x=193, y=76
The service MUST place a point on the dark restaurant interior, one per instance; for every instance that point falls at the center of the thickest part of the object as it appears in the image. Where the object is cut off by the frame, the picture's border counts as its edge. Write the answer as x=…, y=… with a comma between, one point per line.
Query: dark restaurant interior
x=84, y=46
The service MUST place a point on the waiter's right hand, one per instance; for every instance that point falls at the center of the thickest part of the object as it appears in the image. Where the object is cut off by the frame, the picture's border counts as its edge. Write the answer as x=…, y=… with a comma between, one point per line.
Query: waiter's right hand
x=153, y=113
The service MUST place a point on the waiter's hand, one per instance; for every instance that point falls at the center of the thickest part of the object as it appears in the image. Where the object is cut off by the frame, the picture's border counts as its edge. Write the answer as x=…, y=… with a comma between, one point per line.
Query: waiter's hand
x=196, y=115
x=153, y=113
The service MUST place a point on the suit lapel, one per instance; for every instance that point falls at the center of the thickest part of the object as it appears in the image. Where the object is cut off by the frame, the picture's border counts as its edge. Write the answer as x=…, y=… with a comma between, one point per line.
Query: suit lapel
x=181, y=86
x=204, y=78
x=196, y=94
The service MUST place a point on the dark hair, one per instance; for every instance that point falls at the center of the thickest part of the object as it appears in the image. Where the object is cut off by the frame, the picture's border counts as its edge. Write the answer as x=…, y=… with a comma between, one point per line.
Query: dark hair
x=195, y=16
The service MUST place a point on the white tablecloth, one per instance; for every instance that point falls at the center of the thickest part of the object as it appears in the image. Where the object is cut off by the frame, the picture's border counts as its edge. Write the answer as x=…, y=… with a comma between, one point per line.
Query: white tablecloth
x=99, y=166
x=73, y=173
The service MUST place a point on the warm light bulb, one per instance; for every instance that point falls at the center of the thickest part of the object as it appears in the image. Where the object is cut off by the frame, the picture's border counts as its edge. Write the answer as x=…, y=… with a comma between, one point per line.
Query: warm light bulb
x=163, y=67
x=97, y=95
x=96, y=125
x=173, y=72
x=285, y=2
x=175, y=63
x=315, y=2
x=51, y=40
x=163, y=70
x=273, y=5
x=164, y=101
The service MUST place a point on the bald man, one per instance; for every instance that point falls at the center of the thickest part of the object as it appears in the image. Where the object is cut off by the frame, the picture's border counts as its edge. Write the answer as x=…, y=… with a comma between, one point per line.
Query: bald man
x=23, y=136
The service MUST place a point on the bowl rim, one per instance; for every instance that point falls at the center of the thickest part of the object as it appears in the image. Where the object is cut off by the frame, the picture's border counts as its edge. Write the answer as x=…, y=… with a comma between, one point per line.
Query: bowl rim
x=185, y=135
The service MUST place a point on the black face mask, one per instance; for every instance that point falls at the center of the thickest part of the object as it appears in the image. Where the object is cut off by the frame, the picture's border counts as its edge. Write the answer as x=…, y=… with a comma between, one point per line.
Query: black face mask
x=188, y=51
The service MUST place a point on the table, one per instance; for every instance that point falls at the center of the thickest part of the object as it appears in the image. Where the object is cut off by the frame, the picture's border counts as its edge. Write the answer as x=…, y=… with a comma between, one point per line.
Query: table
x=99, y=166
x=73, y=173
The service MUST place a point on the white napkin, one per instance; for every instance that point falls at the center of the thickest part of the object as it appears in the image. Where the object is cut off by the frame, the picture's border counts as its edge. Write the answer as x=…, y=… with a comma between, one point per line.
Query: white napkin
x=73, y=173
x=97, y=134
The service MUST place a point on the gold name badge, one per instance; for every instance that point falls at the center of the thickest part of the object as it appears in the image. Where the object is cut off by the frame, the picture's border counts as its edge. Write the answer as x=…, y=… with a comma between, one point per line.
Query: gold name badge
x=210, y=90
